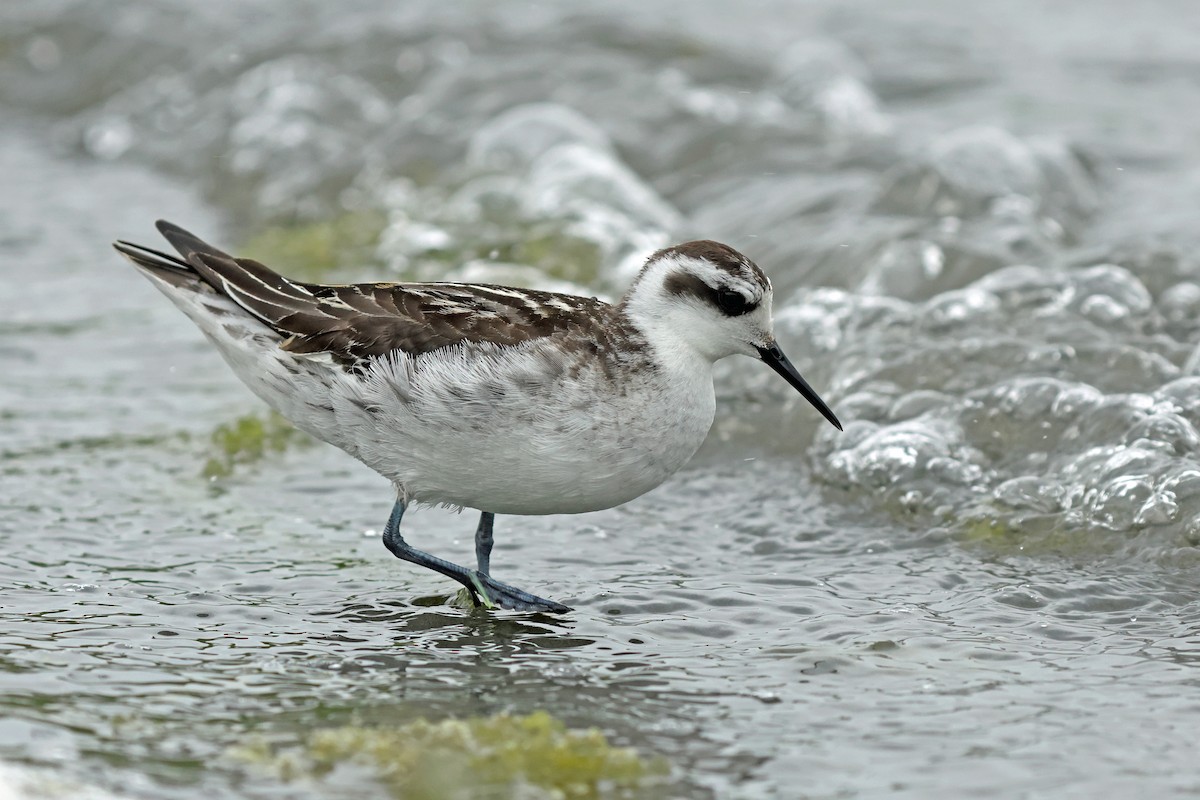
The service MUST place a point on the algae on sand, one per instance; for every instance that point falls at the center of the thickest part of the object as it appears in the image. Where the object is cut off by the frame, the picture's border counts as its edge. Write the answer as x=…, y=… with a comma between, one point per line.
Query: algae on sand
x=248, y=439
x=501, y=756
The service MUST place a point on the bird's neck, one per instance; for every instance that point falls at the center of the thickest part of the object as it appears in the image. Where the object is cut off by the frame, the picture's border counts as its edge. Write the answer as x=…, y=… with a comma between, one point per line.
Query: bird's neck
x=674, y=351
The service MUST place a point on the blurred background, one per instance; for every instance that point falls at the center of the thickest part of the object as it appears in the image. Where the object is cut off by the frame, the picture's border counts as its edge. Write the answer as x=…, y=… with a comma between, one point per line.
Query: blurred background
x=980, y=220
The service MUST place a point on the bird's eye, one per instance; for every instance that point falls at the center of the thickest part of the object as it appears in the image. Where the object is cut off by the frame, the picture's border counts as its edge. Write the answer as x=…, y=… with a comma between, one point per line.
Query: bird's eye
x=732, y=303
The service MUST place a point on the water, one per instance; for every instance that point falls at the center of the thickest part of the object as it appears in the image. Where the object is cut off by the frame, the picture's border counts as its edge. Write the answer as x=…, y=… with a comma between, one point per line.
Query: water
x=980, y=223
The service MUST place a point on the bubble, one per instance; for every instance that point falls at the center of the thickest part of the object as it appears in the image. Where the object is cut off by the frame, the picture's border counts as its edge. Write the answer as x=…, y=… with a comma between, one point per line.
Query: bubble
x=109, y=138
x=43, y=53
x=973, y=396
x=542, y=189
x=1172, y=431
x=1181, y=302
x=517, y=137
x=1159, y=509
x=1182, y=395
x=573, y=176
x=1191, y=531
x=1108, y=294
x=809, y=65
x=296, y=124
x=1103, y=310
x=917, y=403
x=991, y=198
x=1031, y=493
x=985, y=162
x=902, y=267
x=965, y=308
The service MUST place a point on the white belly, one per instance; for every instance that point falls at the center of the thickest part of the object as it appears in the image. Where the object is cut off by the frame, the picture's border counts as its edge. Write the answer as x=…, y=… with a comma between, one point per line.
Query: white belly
x=508, y=437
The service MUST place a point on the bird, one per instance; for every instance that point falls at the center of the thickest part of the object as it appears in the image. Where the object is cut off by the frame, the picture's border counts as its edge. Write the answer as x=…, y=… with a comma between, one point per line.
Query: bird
x=472, y=396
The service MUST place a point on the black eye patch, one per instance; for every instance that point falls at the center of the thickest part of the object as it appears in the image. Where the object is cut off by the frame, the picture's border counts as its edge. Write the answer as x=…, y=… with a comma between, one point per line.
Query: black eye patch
x=732, y=303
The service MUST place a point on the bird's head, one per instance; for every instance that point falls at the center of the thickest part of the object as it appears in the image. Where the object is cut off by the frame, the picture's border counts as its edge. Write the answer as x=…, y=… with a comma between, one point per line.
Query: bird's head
x=707, y=296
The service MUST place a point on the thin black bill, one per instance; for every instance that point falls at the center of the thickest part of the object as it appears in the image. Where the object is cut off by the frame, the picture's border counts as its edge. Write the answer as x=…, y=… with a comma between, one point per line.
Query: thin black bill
x=777, y=361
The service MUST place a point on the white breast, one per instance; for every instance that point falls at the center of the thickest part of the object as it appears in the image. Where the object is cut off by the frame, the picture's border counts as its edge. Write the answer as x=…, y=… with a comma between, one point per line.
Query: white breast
x=519, y=430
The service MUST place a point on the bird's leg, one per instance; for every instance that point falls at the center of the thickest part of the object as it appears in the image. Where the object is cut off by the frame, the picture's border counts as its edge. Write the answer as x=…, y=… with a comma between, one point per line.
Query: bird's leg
x=401, y=549
x=501, y=593
x=483, y=542
x=478, y=583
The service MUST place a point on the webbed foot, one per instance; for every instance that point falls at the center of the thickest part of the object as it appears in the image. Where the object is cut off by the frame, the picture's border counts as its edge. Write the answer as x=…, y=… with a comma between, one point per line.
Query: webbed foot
x=490, y=593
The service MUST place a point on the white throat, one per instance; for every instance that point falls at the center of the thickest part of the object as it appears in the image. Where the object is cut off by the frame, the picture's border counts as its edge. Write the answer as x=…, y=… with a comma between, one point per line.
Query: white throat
x=666, y=328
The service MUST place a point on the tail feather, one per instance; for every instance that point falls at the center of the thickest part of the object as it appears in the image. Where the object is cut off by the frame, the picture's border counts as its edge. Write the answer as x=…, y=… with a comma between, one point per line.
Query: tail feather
x=210, y=297
x=159, y=264
x=258, y=290
x=186, y=242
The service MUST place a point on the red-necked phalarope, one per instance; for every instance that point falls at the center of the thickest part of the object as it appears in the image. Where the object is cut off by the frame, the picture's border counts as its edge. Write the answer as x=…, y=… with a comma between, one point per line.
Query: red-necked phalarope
x=509, y=401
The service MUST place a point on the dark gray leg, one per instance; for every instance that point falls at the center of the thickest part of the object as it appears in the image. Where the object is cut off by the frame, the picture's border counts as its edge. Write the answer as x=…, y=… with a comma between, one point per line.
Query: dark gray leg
x=394, y=542
x=483, y=542
x=478, y=583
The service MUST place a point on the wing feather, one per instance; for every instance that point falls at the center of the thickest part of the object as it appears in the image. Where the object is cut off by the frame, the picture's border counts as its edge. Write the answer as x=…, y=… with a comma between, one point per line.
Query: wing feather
x=357, y=321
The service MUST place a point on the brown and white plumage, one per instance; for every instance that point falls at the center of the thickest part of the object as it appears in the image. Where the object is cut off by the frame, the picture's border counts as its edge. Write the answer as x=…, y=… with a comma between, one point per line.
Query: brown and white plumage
x=501, y=399
x=359, y=321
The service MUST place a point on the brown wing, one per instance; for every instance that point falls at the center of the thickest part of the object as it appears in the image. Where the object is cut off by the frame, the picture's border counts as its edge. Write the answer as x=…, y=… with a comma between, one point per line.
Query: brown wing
x=357, y=321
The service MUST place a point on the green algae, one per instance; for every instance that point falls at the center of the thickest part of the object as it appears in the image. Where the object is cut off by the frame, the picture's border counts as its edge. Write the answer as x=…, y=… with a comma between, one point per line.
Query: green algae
x=561, y=255
x=433, y=231
x=1038, y=535
x=501, y=756
x=248, y=439
x=986, y=530
x=315, y=250
x=348, y=245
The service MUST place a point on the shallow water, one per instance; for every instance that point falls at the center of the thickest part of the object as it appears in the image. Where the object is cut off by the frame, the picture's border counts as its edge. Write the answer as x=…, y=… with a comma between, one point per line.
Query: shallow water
x=981, y=228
